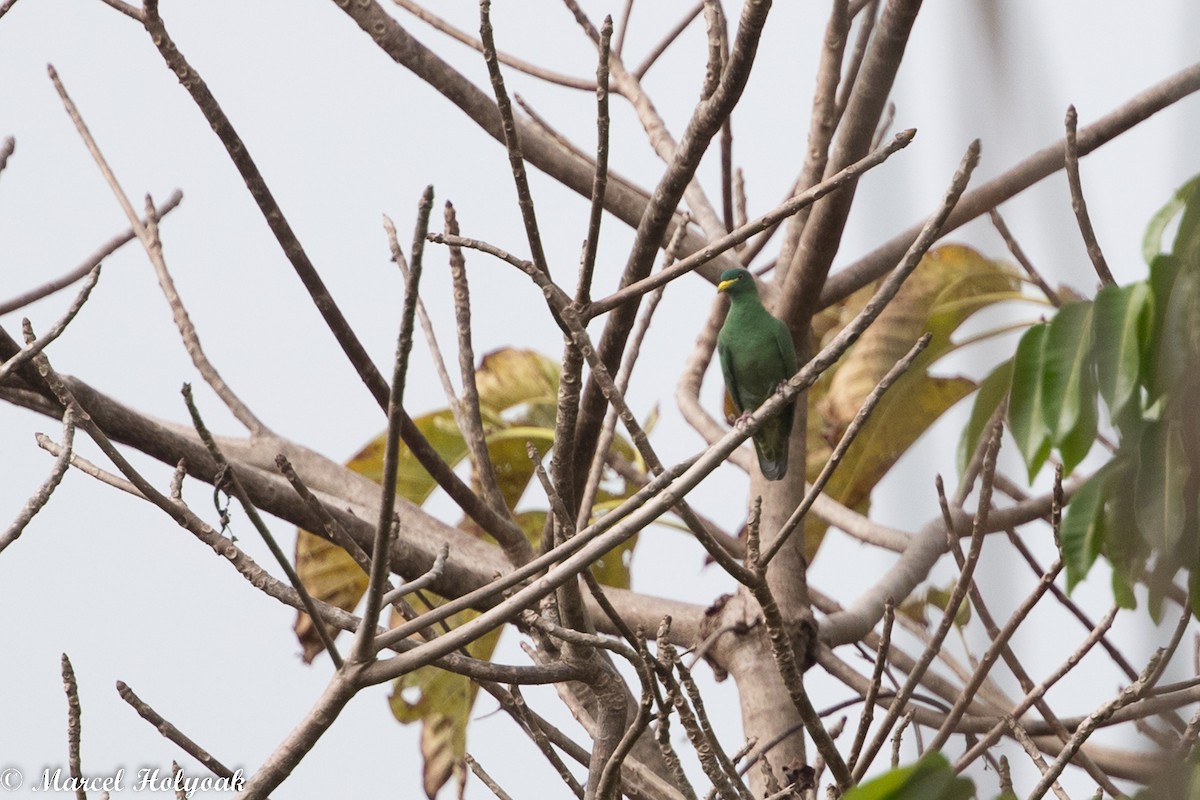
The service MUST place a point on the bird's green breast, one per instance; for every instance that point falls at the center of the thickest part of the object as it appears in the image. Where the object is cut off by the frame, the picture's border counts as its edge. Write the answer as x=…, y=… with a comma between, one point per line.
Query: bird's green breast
x=749, y=350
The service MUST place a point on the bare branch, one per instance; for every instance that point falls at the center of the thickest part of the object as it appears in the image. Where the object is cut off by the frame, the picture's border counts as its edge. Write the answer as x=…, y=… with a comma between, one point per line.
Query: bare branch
x=385, y=528
x=480, y=773
x=131, y=11
x=93, y=261
x=38, y=500
x=515, y=159
x=515, y=544
x=1079, y=205
x=35, y=346
x=641, y=69
x=1041, y=164
x=868, y=712
x=848, y=437
x=823, y=121
x=74, y=727
x=148, y=234
x=518, y=64
x=1128, y=695
x=727, y=242
x=823, y=231
x=956, y=597
x=783, y=650
x=1015, y=248
x=583, y=292
x=172, y=733
x=228, y=481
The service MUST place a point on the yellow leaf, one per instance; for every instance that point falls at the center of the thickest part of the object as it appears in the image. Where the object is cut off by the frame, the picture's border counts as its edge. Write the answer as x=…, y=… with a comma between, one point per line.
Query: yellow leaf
x=518, y=395
x=949, y=285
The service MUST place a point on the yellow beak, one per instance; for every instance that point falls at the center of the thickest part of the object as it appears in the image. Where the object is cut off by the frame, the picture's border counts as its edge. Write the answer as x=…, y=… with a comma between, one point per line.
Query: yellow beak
x=723, y=285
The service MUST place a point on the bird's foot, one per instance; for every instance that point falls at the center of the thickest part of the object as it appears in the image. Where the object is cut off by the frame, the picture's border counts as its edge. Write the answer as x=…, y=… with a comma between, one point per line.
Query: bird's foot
x=743, y=420
x=779, y=387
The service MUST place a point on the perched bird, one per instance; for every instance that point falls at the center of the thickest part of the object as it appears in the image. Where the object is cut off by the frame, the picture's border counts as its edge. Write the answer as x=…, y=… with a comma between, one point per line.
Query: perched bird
x=756, y=355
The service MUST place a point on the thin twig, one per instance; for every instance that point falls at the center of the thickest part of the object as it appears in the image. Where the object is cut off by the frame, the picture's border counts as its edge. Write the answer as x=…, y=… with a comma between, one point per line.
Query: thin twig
x=626, y=12
x=1043, y=163
x=515, y=159
x=641, y=721
x=607, y=432
x=34, y=346
x=351, y=346
x=784, y=653
x=898, y=737
x=74, y=727
x=148, y=235
x=131, y=11
x=1021, y=736
x=515, y=544
x=868, y=712
x=92, y=261
x=435, y=351
x=229, y=481
x=487, y=779
x=848, y=437
x=88, y=468
x=952, y=605
x=39, y=498
x=540, y=733
x=565, y=313
x=641, y=69
x=728, y=783
x=422, y=582
x=504, y=58
x=1014, y=248
x=388, y=523
x=791, y=206
x=822, y=124
x=1128, y=695
x=583, y=292
x=854, y=64
x=1071, y=606
x=998, y=646
x=172, y=733
x=1079, y=205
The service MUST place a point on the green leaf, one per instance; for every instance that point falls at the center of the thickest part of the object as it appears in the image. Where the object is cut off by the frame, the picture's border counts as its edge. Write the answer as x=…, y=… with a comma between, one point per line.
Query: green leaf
x=1187, y=239
x=1068, y=394
x=1025, y=419
x=930, y=778
x=1083, y=528
x=1121, y=329
x=1152, y=242
x=1178, y=341
x=1122, y=588
x=1162, y=474
x=1123, y=545
x=1163, y=272
x=992, y=391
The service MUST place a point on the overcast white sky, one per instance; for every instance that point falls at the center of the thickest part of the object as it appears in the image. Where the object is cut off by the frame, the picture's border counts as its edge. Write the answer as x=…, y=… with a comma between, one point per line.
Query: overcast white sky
x=343, y=136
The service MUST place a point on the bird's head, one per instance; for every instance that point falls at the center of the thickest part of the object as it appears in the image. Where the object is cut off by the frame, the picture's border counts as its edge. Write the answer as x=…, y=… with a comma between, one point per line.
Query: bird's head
x=736, y=282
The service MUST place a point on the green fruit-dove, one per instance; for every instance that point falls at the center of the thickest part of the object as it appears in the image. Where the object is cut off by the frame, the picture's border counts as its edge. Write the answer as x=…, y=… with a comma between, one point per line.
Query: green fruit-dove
x=756, y=355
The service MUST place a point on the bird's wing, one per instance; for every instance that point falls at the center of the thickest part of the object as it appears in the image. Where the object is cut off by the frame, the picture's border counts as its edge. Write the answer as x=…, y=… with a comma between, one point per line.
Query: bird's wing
x=725, y=354
x=787, y=350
